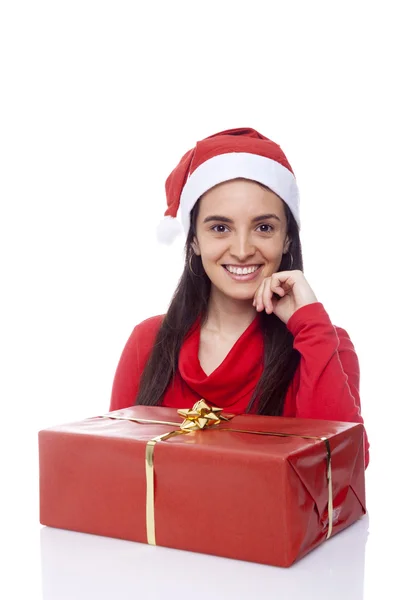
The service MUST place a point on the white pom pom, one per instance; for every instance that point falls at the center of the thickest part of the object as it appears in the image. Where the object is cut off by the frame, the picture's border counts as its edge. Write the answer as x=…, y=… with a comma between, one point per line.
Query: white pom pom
x=168, y=229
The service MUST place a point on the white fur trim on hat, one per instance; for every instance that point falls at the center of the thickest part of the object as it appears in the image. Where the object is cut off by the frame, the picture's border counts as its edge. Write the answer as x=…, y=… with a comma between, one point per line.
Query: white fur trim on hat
x=232, y=165
x=168, y=229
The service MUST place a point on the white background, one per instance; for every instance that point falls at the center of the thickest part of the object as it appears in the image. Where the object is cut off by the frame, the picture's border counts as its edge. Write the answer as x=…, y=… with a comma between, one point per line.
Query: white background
x=99, y=101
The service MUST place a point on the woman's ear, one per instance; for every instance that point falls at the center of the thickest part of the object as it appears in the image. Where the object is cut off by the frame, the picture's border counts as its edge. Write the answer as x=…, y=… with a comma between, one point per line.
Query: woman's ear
x=286, y=246
x=195, y=246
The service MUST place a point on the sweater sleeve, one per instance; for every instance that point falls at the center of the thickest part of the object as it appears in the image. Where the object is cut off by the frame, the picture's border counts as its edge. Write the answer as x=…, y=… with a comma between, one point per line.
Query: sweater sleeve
x=329, y=382
x=132, y=363
x=127, y=376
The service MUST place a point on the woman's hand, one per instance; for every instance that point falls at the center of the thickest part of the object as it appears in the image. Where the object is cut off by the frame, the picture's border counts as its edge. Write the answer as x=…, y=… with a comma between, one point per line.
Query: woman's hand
x=294, y=292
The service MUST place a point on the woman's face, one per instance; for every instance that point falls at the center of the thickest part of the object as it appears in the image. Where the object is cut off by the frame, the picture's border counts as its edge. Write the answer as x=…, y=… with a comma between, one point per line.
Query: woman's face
x=240, y=225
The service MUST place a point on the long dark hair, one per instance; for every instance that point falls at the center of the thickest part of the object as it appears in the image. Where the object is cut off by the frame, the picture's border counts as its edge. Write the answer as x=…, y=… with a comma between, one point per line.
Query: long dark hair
x=190, y=300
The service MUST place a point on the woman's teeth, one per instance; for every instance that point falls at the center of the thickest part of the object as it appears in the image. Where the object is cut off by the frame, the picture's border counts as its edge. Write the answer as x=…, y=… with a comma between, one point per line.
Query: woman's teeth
x=239, y=271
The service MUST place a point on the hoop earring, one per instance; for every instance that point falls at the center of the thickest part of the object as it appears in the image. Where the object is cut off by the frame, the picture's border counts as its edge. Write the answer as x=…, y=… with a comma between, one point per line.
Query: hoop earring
x=190, y=265
x=291, y=261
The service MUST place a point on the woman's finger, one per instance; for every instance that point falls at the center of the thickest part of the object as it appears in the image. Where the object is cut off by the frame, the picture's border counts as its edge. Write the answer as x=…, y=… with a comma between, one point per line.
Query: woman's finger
x=281, y=283
x=278, y=283
x=258, y=303
x=267, y=296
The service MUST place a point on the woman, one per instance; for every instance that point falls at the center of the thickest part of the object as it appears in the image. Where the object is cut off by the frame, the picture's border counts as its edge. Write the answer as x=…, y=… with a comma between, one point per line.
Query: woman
x=244, y=329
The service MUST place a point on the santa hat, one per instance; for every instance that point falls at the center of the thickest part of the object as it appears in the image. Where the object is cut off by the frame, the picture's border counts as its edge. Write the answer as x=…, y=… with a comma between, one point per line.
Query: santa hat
x=221, y=157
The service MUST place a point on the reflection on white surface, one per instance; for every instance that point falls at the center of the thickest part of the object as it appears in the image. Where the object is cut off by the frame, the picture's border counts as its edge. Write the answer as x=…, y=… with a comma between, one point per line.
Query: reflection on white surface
x=79, y=566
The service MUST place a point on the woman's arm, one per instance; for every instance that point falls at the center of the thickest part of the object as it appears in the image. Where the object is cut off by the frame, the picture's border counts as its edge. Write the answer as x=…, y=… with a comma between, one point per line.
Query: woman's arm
x=127, y=376
x=132, y=362
x=329, y=382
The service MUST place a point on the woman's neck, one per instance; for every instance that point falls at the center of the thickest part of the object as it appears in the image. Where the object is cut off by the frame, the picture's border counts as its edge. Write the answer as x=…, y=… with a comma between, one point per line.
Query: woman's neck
x=228, y=316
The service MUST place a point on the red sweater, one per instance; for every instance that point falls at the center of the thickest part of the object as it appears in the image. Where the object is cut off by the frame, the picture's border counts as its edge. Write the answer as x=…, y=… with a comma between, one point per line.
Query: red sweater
x=325, y=384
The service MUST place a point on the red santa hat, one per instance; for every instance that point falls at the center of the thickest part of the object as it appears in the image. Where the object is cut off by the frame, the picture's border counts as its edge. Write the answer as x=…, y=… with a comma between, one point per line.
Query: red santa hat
x=227, y=155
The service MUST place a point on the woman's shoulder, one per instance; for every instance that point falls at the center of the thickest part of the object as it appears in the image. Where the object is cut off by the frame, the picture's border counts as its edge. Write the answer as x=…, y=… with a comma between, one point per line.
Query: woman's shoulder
x=149, y=326
x=151, y=322
x=142, y=338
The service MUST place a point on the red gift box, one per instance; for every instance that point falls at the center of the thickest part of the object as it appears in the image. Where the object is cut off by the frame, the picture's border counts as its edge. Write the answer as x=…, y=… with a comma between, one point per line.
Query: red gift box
x=255, y=488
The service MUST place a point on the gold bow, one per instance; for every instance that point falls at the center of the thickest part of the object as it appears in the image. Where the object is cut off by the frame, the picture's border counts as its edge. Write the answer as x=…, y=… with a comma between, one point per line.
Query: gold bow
x=200, y=416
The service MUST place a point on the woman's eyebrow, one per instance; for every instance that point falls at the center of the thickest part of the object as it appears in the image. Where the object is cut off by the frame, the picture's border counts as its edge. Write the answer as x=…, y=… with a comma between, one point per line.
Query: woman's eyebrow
x=226, y=220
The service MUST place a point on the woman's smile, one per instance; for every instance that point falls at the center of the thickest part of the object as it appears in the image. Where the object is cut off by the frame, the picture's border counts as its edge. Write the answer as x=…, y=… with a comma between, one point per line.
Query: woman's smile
x=244, y=273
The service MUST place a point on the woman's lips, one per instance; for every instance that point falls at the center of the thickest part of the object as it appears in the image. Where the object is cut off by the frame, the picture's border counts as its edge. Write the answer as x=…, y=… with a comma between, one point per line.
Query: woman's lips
x=243, y=278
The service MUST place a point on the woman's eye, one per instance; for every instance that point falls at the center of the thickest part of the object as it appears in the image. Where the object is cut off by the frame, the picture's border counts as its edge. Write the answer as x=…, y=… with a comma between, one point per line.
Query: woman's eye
x=266, y=230
x=218, y=230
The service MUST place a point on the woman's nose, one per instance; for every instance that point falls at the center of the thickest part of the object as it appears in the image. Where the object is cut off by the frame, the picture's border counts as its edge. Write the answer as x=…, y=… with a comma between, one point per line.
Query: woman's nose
x=242, y=246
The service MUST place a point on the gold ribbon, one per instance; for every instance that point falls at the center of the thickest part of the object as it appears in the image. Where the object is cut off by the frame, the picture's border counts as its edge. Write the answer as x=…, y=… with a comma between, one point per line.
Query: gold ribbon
x=202, y=416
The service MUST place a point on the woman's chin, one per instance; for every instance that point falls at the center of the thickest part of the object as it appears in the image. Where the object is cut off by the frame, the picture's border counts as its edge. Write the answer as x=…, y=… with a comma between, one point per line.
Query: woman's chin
x=238, y=295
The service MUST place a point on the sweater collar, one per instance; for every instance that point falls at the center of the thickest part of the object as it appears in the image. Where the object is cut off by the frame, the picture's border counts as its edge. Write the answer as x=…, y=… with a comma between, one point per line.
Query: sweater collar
x=235, y=377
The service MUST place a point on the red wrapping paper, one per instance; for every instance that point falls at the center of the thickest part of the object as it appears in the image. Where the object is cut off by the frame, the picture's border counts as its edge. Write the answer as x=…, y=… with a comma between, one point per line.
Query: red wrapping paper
x=251, y=497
